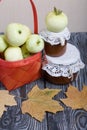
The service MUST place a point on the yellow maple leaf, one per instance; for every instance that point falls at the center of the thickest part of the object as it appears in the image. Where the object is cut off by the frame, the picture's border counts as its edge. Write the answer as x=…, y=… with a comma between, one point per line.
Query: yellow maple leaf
x=6, y=99
x=39, y=101
x=76, y=99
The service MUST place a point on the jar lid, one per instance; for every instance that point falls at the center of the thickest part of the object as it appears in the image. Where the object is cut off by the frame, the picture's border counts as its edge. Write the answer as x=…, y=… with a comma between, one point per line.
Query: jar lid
x=55, y=38
x=64, y=65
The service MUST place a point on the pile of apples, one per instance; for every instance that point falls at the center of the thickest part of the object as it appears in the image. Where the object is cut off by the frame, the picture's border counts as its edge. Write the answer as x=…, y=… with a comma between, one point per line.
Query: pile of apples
x=18, y=42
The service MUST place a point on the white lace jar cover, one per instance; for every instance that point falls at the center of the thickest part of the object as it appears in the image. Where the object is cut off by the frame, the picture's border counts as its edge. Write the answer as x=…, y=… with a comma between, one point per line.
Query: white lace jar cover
x=64, y=65
x=55, y=38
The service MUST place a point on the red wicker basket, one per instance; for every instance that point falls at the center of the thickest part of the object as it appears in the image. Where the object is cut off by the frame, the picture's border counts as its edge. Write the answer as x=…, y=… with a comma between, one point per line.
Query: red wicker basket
x=16, y=74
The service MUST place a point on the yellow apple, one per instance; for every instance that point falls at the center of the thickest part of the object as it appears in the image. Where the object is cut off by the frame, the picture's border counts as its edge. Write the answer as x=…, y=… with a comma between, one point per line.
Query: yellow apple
x=25, y=52
x=16, y=34
x=3, y=43
x=56, y=20
x=13, y=54
x=34, y=43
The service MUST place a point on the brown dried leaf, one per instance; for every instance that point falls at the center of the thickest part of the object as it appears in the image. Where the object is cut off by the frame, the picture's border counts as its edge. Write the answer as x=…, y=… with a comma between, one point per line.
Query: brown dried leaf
x=76, y=99
x=39, y=101
x=6, y=99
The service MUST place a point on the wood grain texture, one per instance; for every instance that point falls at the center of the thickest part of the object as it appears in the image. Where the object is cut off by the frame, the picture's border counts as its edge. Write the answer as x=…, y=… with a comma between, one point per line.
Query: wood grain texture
x=69, y=119
x=72, y=119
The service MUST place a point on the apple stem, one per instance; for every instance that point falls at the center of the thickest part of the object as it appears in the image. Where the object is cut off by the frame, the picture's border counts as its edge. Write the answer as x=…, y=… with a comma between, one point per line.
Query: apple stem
x=56, y=11
x=35, y=17
x=38, y=42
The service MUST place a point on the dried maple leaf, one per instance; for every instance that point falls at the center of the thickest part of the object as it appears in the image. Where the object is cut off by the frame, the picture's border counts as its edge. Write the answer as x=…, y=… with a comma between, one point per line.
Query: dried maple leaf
x=6, y=99
x=76, y=99
x=39, y=101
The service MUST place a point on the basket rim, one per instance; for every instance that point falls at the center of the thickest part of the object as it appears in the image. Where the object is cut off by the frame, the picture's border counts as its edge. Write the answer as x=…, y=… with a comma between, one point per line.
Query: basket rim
x=19, y=63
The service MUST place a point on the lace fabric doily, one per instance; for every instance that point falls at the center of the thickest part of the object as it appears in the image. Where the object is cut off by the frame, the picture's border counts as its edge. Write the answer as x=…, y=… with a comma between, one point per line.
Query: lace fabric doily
x=63, y=70
x=64, y=65
x=55, y=38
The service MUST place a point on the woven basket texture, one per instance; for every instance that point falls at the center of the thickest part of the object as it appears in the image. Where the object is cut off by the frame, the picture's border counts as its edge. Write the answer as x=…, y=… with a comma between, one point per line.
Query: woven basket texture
x=16, y=74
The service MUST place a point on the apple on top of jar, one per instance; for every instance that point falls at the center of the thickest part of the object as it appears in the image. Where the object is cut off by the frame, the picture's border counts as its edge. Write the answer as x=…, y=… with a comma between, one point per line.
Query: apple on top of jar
x=56, y=20
x=18, y=42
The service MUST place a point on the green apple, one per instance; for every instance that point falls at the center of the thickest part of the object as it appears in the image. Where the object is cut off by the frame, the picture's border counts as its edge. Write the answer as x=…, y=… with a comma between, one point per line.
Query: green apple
x=3, y=43
x=16, y=34
x=25, y=52
x=13, y=54
x=56, y=21
x=34, y=43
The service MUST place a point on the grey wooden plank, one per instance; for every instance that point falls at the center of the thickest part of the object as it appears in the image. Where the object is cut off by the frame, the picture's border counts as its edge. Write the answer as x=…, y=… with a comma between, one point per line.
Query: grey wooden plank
x=13, y=119
x=68, y=119
x=78, y=119
x=71, y=119
x=57, y=121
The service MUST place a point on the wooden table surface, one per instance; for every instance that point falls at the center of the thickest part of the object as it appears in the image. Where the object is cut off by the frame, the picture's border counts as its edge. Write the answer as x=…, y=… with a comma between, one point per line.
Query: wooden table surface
x=69, y=119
